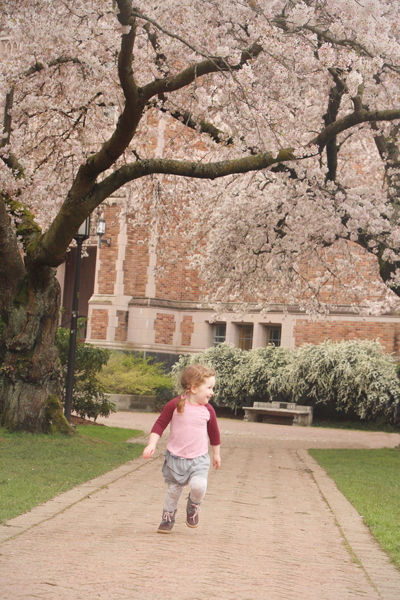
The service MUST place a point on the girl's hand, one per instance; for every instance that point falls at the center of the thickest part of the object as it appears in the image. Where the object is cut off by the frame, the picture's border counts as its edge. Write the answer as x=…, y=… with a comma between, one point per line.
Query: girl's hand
x=217, y=461
x=148, y=451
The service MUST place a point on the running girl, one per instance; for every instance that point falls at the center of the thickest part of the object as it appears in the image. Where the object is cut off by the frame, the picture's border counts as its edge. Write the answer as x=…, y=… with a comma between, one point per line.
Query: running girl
x=186, y=459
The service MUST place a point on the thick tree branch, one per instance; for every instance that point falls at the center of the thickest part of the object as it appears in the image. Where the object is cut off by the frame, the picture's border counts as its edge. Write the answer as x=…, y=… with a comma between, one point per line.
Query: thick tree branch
x=355, y=118
x=54, y=243
x=125, y=11
x=121, y=137
x=7, y=119
x=130, y=117
x=204, y=67
x=195, y=170
x=335, y=97
x=72, y=214
x=199, y=125
x=61, y=60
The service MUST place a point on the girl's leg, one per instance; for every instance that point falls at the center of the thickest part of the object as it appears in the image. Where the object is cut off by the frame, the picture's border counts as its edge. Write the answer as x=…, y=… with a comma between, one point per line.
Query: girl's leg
x=170, y=507
x=172, y=498
x=198, y=487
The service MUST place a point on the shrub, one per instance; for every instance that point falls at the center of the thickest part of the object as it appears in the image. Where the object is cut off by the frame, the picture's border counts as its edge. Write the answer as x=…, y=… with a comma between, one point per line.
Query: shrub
x=355, y=376
x=88, y=398
x=261, y=367
x=126, y=373
x=240, y=374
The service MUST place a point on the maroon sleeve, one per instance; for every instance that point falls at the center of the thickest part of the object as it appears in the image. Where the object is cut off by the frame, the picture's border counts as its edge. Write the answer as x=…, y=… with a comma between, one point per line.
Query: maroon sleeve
x=165, y=417
x=212, y=427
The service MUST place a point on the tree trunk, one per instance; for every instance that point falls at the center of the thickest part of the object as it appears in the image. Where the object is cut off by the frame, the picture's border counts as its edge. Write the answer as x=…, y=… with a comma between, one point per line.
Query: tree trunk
x=29, y=354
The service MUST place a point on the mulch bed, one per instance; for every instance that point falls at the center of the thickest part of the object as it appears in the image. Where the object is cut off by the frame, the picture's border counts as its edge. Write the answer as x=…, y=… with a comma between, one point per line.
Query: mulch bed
x=80, y=421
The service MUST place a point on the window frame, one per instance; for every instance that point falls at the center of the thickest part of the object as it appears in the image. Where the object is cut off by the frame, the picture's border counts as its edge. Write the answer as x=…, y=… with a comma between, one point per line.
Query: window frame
x=268, y=330
x=242, y=327
x=214, y=335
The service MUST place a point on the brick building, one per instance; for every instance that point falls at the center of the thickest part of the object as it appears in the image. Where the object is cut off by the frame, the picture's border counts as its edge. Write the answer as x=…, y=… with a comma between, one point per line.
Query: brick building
x=132, y=306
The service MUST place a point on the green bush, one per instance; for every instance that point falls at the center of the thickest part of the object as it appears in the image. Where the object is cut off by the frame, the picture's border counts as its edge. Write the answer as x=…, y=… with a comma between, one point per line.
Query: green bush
x=88, y=398
x=240, y=374
x=355, y=377
x=126, y=373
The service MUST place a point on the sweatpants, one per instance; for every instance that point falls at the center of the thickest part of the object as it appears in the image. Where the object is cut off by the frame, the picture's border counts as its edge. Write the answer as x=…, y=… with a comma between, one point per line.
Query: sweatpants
x=198, y=487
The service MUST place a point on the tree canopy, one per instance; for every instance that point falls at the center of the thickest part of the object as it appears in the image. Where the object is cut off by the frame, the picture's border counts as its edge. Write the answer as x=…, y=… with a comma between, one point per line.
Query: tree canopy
x=294, y=112
x=265, y=85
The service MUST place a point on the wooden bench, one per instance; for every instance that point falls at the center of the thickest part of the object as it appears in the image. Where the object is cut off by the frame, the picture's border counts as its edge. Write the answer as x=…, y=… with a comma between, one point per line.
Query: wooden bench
x=302, y=415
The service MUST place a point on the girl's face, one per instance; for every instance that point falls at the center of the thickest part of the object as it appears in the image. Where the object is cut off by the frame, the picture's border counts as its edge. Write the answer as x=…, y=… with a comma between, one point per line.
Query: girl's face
x=201, y=394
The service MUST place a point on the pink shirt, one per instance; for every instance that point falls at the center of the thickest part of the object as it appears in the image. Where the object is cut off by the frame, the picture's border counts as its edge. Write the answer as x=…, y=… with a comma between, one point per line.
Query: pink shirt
x=189, y=431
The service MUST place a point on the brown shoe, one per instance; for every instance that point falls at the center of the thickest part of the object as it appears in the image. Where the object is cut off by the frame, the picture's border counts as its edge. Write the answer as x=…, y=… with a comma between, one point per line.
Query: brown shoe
x=192, y=513
x=167, y=523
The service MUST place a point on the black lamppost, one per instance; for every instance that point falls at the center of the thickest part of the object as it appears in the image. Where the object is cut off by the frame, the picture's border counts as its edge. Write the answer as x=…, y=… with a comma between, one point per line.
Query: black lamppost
x=82, y=235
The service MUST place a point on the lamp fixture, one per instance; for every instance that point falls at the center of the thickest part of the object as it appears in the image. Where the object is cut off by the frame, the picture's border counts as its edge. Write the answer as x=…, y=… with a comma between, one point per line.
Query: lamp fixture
x=83, y=232
x=100, y=230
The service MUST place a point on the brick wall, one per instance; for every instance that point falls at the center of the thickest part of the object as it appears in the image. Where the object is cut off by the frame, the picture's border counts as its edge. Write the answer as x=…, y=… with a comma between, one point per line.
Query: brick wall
x=365, y=274
x=109, y=255
x=99, y=323
x=187, y=328
x=176, y=281
x=136, y=261
x=121, y=331
x=164, y=326
x=336, y=331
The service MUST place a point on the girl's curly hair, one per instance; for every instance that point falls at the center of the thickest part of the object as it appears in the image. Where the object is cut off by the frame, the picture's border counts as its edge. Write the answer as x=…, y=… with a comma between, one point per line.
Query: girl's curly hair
x=193, y=376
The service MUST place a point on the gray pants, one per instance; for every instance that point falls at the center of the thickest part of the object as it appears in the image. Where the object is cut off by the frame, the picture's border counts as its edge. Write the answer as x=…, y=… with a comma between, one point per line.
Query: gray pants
x=198, y=487
x=179, y=472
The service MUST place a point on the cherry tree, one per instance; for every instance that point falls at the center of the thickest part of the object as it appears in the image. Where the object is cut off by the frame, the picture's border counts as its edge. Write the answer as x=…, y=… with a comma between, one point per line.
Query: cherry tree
x=292, y=106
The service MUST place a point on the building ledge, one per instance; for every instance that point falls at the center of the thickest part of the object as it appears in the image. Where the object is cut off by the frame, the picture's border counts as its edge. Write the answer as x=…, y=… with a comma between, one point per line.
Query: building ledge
x=339, y=310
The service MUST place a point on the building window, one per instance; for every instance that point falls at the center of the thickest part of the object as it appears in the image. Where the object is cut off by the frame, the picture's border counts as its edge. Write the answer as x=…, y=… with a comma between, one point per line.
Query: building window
x=273, y=335
x=218, y=334
x=245, y=337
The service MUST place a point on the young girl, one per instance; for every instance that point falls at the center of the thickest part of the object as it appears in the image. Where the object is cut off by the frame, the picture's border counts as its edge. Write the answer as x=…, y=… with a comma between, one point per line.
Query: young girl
x=186, y=459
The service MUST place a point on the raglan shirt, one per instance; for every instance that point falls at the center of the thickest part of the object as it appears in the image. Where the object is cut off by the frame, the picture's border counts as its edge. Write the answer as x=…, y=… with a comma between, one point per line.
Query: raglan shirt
x=189, y=430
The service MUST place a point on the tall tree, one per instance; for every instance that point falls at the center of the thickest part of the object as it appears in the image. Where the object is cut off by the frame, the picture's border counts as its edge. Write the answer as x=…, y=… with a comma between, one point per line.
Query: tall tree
x=253, y=79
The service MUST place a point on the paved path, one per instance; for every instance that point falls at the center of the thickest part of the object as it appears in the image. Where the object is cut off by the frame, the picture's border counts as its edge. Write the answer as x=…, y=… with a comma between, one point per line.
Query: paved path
x=273, y=526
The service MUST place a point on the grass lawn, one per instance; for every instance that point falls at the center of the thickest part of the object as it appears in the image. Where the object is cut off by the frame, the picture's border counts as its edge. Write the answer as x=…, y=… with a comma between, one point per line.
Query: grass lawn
x=370, y=480
x=379, y=425
x=35, y=468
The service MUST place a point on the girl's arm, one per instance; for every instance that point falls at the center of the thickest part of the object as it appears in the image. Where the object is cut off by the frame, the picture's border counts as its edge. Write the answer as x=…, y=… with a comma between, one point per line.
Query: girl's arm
x=150, y=448
x=159, y=426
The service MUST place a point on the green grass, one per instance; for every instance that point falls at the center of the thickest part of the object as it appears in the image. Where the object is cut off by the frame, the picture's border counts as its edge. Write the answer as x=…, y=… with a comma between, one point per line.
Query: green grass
x=370, y=480
x=35, y=468
x=378, y=425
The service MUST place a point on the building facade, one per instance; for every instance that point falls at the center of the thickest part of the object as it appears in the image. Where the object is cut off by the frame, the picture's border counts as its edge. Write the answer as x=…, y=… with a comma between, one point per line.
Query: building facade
x=132, y=306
